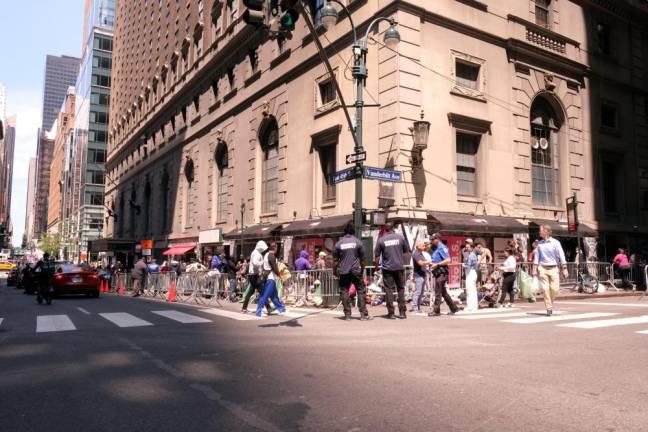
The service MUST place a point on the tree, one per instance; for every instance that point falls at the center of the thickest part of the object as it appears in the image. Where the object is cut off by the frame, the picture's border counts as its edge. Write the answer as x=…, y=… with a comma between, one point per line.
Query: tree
x=51, y=244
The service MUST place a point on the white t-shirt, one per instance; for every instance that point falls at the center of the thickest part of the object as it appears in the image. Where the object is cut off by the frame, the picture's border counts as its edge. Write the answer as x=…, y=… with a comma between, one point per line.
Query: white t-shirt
x=268, y=268
x=510, y=265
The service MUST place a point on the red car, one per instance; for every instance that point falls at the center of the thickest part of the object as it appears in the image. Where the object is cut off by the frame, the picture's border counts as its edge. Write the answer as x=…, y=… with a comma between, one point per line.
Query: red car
x=76, y=279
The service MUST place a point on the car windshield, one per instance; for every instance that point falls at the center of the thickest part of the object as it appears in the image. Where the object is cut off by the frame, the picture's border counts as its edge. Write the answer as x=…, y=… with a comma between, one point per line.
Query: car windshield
x=74, y=268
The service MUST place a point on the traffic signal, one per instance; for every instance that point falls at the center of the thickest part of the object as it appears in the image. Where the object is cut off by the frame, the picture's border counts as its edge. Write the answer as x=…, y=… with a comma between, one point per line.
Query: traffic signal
x=256, y=13
x=289, y=15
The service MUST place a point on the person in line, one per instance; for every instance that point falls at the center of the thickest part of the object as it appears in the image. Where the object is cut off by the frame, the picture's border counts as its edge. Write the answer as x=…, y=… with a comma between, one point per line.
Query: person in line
x=465, y=254
x=303, y=263
x=391, y=248
x=439, y=268
x=153, y=266
x=229, y=267
x=138, y=274
x=420, y=272
x=255, y=275
x=271, y=272
x=485, y=259
x=470, y=267
x=320, y=263
x=349, y=266
x=548, y=256
x=623, y=267
x=508, y=270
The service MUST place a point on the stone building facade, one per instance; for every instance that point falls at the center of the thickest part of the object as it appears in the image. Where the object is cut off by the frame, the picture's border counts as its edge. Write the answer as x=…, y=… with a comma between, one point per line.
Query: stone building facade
x=214, y=126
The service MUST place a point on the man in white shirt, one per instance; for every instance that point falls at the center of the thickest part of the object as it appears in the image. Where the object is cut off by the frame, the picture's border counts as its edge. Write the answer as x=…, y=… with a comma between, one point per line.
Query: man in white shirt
x=547, y=258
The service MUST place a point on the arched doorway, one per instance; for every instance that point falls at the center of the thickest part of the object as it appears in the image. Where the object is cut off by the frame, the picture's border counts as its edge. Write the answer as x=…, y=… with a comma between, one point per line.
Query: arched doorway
x=545, y=127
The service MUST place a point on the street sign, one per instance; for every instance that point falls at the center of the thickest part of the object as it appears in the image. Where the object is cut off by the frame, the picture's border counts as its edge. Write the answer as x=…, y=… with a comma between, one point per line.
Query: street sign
x=342, y=176
x=382, y=174
x=356, y=157
x=572, y=214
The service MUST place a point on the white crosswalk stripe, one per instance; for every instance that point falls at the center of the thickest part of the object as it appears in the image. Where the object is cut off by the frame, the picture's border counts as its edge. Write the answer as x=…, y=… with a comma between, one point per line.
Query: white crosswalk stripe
x=488, y=311
x=607, y=323
x=643, y=332
x=1, y=319
x=181, y=317
x=53, y=323
x=543, y=319
x=123, y=319
x=491, y=315
x=231, y=314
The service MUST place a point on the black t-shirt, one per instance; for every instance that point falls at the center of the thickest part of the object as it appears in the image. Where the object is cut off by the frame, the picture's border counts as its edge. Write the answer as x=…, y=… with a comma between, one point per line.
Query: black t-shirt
x=349, y=251
x=392, y=246
x=418, y=270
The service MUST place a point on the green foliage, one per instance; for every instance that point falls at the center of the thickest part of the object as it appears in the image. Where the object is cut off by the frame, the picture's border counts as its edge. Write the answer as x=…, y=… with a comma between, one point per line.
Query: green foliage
x=51, y=244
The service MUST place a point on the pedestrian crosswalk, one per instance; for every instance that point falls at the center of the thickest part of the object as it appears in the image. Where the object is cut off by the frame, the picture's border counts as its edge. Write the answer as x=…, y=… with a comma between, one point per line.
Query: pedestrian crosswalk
x=574, y=319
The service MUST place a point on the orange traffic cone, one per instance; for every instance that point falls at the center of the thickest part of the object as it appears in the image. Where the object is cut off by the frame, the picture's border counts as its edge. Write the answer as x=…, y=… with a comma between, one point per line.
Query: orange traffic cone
x=121, y=287
x=171, y=297
x=102, y=286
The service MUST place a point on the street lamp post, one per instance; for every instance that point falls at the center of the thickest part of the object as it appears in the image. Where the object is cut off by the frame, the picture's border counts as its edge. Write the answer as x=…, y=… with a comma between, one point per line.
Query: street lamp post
x=329, y=17
x=242, y=213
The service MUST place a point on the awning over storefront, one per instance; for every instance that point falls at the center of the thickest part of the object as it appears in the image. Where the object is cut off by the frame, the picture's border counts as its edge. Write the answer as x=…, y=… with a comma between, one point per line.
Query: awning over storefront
x=560, y=229
x=111, y=245
x=254, y=232
x=450, y=222
x=179, y=250
x=328, y=225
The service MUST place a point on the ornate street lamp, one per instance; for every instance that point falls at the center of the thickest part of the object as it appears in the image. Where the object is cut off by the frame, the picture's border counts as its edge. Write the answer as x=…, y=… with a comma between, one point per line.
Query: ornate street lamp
x=420, y=134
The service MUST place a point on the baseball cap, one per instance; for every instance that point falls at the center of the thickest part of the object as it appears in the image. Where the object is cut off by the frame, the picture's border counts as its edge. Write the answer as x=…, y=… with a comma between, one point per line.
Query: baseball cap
x=435, y=236
x=322, y=254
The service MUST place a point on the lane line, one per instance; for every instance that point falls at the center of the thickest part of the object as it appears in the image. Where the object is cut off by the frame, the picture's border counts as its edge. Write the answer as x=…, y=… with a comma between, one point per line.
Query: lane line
x=231, y=315
x=492, y=316
x=607, y=323
x=544, y=319
x=83, y=310
x=181, y=317
x=123, y=319
x=1, y=319
x=634, y=305
x=53, y=323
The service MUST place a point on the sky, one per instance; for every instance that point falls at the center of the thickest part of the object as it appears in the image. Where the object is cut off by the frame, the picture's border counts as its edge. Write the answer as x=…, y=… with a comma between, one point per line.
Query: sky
x=31, y=29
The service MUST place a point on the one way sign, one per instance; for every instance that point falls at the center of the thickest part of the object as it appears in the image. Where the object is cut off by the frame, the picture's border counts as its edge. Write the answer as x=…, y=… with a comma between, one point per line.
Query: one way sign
x=356, y=157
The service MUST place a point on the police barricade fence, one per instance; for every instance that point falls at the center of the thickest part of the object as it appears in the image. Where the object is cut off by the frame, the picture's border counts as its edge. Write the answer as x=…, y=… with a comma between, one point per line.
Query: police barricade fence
x=591, y=276
x=310, y=288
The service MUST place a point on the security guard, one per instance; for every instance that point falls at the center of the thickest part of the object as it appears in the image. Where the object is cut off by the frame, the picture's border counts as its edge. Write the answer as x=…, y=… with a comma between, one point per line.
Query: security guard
x=392, y=247
x=349, y=266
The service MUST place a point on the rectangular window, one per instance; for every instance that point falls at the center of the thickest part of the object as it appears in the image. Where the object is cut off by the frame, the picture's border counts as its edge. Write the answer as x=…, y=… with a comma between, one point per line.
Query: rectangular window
x=100, y=80
x=467, y=149
x=222, y=195
x=270, y=180
x=94, y=198
x=542, y=13
x=608, y=116
x=100, y=99
x=603, y=38
x=96, y=156
x=95, y=177
x=326, y=92
x=98, y=117
x=327, y=156
x=544, y=166
x=467, y=75
x=610, y=176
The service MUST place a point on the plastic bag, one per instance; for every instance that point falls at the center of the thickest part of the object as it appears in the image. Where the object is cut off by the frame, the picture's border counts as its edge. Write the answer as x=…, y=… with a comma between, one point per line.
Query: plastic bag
x=535, y=285
x=526, y=286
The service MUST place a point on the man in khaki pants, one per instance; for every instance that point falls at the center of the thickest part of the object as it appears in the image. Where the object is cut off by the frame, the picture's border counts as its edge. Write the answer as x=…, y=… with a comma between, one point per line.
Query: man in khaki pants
x=548, y=257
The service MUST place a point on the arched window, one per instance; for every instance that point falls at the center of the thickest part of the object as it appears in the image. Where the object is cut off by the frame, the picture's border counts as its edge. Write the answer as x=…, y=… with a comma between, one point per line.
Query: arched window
x=147, y=207
x=545, y=152
x=270, y=168
x=222, y=163
x=164, y=192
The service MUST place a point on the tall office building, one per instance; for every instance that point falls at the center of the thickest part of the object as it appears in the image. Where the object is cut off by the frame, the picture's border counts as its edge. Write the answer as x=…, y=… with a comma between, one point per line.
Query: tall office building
x=60, y=73
x=29, y=207
x=44, y=152
x=3, y=101
x=6, y=180
x=83, y=210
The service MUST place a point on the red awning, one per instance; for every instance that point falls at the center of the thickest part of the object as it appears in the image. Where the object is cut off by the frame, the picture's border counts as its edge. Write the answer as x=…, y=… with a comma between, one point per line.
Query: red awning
x=178, y=250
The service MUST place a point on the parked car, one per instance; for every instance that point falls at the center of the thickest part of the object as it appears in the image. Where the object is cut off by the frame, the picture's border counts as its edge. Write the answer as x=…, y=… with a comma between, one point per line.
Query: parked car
x=76, y=279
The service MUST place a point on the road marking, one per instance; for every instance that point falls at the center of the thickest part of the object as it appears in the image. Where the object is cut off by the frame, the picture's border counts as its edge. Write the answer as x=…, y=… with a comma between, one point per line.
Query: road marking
x=123, y=319
x=488, y=311
x=53, y=323
x=182, y=317
x=607, y=323
x=643, y=332
x=637, y=305
x=1, y=319
x=492, y=316
x=537, y=320
x=231, y=315
x=83, y=310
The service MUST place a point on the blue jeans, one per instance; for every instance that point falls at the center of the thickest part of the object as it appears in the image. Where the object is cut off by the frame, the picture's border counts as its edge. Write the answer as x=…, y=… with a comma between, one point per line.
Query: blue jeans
x=419, y=287
x=270, y=292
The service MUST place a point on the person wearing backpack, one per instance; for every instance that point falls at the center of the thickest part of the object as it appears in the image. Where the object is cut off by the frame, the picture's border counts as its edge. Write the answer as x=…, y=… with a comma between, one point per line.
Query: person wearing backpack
x=271, y=274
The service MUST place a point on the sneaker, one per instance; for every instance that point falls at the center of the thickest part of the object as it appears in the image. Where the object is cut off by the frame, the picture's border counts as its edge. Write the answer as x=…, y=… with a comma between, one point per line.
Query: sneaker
x=434, y=314
x=452, y=312
x=549, y=312
x=366, y=318
x=347, y=318
x=402, y=315
x=282, y=313
x=391, y=316
x=508, y=305
x=244, y=311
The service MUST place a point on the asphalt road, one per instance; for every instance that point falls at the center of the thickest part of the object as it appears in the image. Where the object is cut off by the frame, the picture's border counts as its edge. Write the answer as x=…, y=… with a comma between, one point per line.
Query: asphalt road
x=136, y=370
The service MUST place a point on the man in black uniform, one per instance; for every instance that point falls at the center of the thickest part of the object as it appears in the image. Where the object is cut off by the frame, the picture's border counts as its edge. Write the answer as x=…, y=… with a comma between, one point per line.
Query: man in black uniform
x=392, y=247
x=349, y=267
